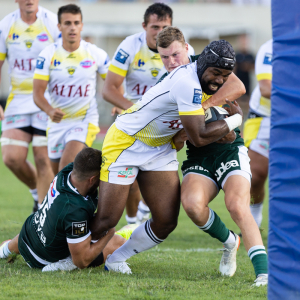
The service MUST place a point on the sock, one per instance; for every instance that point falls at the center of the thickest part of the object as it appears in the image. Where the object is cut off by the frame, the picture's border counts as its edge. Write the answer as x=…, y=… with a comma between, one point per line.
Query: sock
x=230, y=242
x=256, y=211
x=34, y=194
x=143, y=211
x=215, y=227
x=4, y=251
x=130, y=220
x=258, y=256
x=141, y=240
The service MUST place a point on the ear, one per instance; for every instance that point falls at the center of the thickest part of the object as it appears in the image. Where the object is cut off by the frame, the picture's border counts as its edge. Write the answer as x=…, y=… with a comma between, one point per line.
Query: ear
x=59, y=26
x=144, y=25
x=187, y=47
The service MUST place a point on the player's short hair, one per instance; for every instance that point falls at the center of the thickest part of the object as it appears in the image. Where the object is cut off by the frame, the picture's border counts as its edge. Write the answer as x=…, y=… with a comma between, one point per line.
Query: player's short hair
x=87, y=163
x=169, y=35
x=160, y=9
x=69, y=8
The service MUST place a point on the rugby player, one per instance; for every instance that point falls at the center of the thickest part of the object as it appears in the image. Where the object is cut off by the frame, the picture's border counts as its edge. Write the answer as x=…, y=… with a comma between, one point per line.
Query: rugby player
x=24, y=34
x=69, y=69
x=57, y=236
x=257, y=129
x=137, y=64
x=139, y=145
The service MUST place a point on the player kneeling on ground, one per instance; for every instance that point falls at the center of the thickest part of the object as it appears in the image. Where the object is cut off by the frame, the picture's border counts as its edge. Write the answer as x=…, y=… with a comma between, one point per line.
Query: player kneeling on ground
x=58, y=236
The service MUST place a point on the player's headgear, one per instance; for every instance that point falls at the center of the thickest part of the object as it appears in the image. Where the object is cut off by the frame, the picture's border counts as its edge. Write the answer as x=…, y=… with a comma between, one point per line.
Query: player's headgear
x=219, y=54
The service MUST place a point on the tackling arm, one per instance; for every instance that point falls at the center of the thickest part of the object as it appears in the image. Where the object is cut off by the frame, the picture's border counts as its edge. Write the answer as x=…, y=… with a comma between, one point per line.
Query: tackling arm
x=232, y=89
x=39, y=88
x=85, y=252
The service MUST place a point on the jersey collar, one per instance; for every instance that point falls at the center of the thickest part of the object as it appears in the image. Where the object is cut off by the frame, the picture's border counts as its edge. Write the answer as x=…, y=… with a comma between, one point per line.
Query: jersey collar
x=74, y=188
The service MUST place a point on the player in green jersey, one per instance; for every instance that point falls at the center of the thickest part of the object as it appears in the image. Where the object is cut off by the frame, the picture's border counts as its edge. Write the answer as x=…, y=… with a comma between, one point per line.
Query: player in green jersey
x=216, y=165
x=58, y=235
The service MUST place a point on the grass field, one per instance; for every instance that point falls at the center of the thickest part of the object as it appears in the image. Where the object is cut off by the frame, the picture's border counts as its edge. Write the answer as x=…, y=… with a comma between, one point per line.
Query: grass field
x=185, y=266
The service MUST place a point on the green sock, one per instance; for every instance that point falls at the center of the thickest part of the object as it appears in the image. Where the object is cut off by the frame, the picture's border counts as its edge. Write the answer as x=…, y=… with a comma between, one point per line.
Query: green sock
x=215, y=227
x=259, y=259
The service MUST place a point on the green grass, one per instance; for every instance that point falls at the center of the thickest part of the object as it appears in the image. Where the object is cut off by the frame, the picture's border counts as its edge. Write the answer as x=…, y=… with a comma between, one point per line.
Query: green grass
x=176, y=269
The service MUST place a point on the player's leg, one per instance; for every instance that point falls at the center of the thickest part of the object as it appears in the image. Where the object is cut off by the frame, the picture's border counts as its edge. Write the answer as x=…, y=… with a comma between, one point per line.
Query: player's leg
x=161, y=191
x=197, y=191
x=132, y=203
x=259, y=165
x=237, y=200
x=9, y=246
x=72, y=148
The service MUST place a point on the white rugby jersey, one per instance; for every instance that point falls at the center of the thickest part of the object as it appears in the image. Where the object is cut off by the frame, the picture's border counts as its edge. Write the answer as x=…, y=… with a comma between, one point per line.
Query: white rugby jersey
x=155, y=118
x=72, y=79
x=263, y=71
x=21, y=44
x=140, y=66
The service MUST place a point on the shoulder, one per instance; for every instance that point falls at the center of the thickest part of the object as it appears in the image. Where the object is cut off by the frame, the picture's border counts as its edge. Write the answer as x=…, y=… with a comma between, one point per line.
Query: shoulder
x=132, y=42
x=48, y=15
x=94, y=49
x=49, y=50
x=183, y=74
x=7, y=21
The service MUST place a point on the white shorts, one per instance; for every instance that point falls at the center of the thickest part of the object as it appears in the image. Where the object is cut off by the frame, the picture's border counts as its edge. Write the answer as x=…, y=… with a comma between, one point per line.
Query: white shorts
x=36, y=120
x=123, y=156
x=60, y=134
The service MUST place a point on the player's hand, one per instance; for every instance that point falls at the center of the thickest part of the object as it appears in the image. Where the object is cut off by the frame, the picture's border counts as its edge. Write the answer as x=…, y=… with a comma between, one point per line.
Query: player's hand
x=233, y=108
x=116, y=110
x=56, y=114
x=228, y=138
x=1, y=113
x=179, y=138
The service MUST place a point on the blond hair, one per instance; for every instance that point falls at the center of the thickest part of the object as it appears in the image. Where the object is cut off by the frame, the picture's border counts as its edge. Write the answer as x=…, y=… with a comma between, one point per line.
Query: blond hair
x=168, y=35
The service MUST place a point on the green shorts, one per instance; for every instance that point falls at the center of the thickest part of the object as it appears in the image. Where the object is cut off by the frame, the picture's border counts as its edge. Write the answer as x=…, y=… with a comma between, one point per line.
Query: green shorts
x=32, y=260
x=221, y=166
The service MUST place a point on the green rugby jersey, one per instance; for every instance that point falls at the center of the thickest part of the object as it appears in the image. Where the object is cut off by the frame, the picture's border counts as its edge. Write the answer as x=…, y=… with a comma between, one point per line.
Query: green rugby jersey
x=212, y=148
x=64, y=217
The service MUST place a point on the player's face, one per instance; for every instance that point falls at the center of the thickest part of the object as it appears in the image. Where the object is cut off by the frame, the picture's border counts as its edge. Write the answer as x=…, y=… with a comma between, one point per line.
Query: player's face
x=174, y=56
x=70, y=26
x=154, y=27
x=212, y=79
x=28, y=6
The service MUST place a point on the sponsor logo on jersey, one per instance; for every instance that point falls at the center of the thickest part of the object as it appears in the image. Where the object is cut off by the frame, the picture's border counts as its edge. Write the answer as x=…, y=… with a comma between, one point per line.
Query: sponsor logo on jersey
x=197, y=96
x=154, y=72
x=29, y=30
x=79, y=228
x=155, y=57
x=264, y=145
x=121, y=56
x=126, y=174
x=104, y=159
x=194, y=168
x=106, y=60
x=87, y=63
x=71, y=70
x=28, y=43
x=52, y=190
x=268, y=59
x=224, y=168
x=14, y=119
x=55, y=62
x=174, y=124
x=57, y=148
x=43, y=37
x=14, y=36
x=72, y=56
x=140, y=63
x=40, y=63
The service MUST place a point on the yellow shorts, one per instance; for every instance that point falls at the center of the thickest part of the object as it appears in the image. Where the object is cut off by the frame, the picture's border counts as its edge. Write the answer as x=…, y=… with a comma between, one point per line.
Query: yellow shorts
x=123, y=156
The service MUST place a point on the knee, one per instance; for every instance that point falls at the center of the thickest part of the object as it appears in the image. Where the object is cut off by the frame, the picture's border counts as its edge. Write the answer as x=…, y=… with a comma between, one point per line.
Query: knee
x=237, y=209
x=42, y=163
x=12, y=161
x=192, y=205
x=258, y=177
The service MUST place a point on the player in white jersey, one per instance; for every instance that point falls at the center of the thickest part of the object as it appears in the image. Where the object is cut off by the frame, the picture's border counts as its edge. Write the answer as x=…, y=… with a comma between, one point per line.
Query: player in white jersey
x=257, y=128
x=23, y=35
x=70, y=70
x=138, y=65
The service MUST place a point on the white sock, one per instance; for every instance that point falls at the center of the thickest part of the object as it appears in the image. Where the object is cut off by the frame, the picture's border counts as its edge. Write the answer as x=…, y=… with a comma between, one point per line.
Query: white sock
x=4, y=251
x=256, y=211
x=143, y=211
x=141, y=240
x=34, y=194
x=130, y=220
x=230, y=242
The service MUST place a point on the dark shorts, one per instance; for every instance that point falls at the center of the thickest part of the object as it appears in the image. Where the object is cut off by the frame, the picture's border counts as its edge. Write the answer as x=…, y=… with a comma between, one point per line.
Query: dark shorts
x=221, y=166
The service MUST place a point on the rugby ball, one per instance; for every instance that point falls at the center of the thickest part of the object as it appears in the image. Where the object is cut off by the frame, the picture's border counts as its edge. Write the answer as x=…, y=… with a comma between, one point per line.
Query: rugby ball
x=215, y=113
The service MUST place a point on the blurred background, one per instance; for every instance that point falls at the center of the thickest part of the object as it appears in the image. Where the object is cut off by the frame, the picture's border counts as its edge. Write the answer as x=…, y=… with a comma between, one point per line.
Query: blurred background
x=246, y=24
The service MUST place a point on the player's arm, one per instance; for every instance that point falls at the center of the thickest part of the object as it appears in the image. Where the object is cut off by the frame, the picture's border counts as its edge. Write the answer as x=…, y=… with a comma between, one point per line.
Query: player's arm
x=179, y=138
x=232, y=89
x=39, y=88
x=85, y=252
x=1, y=109
x=265, y=87
x=112, y=91
x=201, y=134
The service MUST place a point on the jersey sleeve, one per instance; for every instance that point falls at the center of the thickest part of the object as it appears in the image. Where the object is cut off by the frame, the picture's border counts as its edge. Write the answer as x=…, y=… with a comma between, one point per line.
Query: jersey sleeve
x=188, y=97
x=103, y=62
x=76, y=225
x=43, y=62
x=122, y=58
x=3, y=48
x=263, y=62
